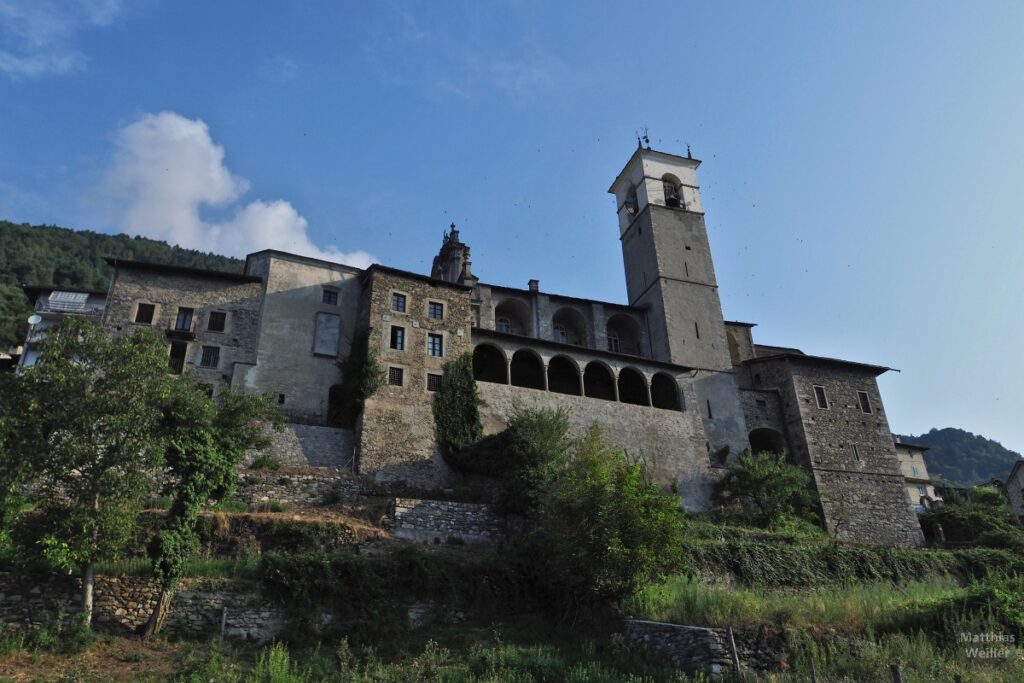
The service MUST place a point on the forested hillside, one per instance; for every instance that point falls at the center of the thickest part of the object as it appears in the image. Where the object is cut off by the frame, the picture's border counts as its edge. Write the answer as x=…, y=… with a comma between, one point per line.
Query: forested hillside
x=49, y=255
x=963, y=458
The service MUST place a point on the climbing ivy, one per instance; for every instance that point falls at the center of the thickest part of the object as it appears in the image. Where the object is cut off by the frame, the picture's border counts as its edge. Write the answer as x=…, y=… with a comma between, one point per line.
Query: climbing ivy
x=361, y=377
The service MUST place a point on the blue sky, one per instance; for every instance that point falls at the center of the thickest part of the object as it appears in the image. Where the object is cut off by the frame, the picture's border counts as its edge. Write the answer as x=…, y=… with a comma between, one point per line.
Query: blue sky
x=862, y=166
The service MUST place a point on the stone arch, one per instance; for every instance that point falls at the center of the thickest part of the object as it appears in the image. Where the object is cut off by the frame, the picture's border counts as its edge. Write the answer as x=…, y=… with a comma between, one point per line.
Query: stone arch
x=489, y=364
x=673, y=190
x=766, y=440
x=632, y=387
x=527, y=369
x=513, y=316
x=564, y=376
x=665, y=392
x=623, y=333
x=631, y=205
x=568, y=326
x=598, y=381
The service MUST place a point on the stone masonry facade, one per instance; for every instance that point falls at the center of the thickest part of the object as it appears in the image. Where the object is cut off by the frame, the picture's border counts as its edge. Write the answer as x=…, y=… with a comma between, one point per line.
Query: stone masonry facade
x=667, y=377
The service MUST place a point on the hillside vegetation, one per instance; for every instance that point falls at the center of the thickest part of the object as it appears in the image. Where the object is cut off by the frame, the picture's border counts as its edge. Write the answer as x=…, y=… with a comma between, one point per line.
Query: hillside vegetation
x=963, y=458
x=50, y=255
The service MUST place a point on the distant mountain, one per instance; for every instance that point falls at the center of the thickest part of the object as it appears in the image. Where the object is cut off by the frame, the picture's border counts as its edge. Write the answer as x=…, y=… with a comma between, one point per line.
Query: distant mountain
x=49, y=255
x=963, y=458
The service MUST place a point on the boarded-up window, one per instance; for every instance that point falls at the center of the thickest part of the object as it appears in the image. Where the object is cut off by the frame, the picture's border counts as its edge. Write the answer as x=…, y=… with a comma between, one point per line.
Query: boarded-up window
x=326, y=334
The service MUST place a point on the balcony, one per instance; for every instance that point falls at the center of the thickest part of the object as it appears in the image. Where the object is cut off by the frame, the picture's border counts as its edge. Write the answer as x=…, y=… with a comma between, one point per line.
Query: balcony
x=182, y=329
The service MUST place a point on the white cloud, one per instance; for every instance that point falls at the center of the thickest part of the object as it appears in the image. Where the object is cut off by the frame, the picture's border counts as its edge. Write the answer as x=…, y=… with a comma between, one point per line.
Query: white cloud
x=37, y=36
x=167, y=168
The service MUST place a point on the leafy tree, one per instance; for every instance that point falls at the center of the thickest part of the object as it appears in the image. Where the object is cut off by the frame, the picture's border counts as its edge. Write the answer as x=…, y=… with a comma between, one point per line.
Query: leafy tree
x=206, y=440
x=457, y=409
x=775, y=489
x=601, y=530
x=984, y=519
x=361, y=377
x=89, y=441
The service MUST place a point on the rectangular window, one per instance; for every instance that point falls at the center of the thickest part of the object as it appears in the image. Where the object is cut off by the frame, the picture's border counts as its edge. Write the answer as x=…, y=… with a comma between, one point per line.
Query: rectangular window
x=435, y=345
x=433, y=382
x=435, y=311
x=398, y=302
x=613, y=343
x=217, y=321
x=211, y=357
x=395, y=376
x=820, y=397
x=865, y=402
x=397, y=338
x=176, y=358
x=144, y=314
x=183, y=322
x=855, y=452
x=326, y=334
x=915, y=471
x=921, y=490
x=330, y=297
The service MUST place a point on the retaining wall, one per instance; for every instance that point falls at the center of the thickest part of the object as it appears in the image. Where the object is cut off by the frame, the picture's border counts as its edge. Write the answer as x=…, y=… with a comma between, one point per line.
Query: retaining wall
x=303, y=445
x=441, y=521
x=698, y=649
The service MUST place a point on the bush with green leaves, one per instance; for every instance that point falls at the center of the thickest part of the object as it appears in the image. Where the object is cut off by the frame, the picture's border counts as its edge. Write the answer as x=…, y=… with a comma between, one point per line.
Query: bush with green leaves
x=361, y=377
x=983, y=520
x=771, y=489
x=456, y=407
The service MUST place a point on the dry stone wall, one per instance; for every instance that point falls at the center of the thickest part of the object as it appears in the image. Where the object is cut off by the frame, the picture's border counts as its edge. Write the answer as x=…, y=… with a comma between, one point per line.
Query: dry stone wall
x=441, y=521
x=302, y=445
x=701, y=650
x=298, y=489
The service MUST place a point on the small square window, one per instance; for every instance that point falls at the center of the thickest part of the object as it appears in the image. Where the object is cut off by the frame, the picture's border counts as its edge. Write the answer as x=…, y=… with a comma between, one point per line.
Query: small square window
x=433, y=382
x=865, y=402
x=144, y=314
x=820, y=397
x=395, y=376
x=435, y=310
x=505, y=325
x=330, y=297
x=397, y=338
x=217, y=321
x=435, y=345
x=398, y=302
x=211, y=357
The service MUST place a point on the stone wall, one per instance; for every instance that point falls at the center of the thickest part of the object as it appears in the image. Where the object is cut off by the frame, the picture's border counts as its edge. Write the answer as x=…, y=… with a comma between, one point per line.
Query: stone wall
x=123, y=605
x=671, y=443
x=397, y=428
x=698, y=649
x=301, y=445
x=440, y=521
x=295, y=489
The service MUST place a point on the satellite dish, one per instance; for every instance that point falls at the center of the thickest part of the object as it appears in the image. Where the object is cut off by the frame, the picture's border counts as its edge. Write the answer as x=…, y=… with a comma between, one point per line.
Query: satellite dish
x=35, y=319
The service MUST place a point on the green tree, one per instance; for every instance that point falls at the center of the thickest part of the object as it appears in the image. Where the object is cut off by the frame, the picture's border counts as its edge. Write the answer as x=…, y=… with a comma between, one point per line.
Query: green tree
x=89, y=442
x=457, y=408
x=983, y=519
x=775, y=489
x=206, y=441
x=601, y=530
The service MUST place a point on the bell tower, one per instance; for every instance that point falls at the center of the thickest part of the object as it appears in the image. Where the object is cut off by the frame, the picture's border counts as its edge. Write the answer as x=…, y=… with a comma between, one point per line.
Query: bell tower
x=667, y=257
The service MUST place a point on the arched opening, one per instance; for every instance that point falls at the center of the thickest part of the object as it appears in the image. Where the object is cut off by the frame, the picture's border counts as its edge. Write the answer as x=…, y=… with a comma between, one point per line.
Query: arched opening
x=673, y=191
x=664, y=392
x=489, y=364
x=598, y=381
x=527, y=370
x=512, y=316
x=336, y=407
x=624, y=334
x=563, y=376
x=568, y=326
x=765, y=440
x=631, y=204
x=632, y=387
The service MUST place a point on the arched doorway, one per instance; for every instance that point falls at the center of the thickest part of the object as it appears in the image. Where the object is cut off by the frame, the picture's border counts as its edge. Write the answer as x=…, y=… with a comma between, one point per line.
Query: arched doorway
x=664, y=392
x=765, y=440
x=527, y=370
x=489, y=364
x=563, y=376
x=632, y=387
x=598, y=381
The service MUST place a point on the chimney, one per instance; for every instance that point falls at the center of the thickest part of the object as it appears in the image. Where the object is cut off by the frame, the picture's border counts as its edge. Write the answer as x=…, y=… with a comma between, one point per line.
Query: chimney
x=534, y=285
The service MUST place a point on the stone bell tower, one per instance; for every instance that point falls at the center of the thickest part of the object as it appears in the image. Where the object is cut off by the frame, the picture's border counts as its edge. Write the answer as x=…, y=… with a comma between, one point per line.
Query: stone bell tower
x=669, y=270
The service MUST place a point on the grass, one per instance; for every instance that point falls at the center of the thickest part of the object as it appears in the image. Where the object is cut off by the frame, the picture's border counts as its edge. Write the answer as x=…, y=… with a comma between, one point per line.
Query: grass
x=237, y=567
x=853, y=608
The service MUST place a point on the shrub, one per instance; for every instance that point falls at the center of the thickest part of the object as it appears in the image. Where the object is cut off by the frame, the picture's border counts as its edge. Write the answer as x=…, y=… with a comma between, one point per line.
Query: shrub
x=265, y=461
x=773, y=488
x=984, y=520
x=601, y=530
x=457, y=409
